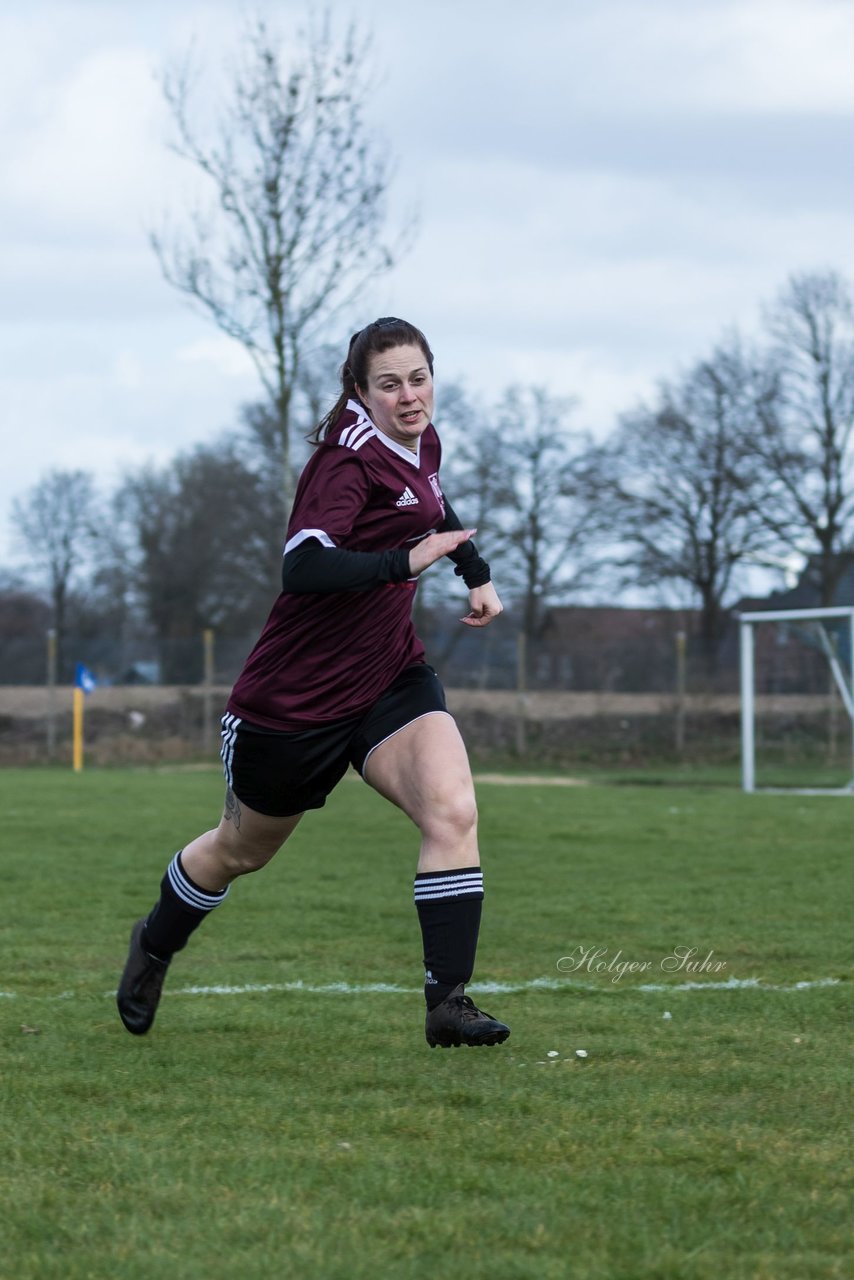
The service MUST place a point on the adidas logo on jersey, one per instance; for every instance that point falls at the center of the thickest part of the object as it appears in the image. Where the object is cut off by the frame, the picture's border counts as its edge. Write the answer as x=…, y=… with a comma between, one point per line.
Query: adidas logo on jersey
x=407, y=499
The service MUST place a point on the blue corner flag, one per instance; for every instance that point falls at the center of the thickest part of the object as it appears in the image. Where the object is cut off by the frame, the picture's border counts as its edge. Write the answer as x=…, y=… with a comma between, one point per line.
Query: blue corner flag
x=83, y=678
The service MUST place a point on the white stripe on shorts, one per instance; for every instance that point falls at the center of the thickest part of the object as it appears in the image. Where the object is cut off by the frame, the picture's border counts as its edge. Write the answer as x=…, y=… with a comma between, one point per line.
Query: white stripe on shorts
x=230, y=725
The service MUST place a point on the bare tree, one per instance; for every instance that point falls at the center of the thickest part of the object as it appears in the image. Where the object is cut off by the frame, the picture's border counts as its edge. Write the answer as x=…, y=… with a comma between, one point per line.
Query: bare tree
x=297, y=189
x=113, y=627
x=316, y=389
x=676, y=490
x=804, y=429
x=24, y=618
x=512, y=472
x=474, y=482
x=54, y=524
x=474, y=470
x=258, y=443
x=201, y=551
x=319, y=383
x=544, y=516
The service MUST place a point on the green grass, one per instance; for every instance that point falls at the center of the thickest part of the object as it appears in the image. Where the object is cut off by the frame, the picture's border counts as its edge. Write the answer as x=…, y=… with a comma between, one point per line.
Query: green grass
x=278, y=1134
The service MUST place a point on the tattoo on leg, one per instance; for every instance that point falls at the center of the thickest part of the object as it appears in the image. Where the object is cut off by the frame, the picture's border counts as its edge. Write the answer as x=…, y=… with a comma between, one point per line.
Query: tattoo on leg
x=232, y=808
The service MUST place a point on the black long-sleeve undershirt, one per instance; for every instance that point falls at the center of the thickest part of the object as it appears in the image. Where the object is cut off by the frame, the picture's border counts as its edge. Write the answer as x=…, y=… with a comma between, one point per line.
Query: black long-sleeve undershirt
x=312, y=568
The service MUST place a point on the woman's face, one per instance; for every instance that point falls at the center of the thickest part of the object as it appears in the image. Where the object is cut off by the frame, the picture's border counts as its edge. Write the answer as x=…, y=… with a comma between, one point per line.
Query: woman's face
x=399, y=394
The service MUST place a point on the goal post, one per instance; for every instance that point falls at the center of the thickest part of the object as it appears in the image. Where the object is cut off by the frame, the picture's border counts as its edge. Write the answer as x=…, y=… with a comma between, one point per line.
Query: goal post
x=748, y=623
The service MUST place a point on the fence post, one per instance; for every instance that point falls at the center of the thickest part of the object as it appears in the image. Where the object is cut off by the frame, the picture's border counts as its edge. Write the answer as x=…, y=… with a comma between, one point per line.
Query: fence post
x=680, y=692
x=207, y=696
x=77, y=729
x=51, y=693
x=521, y=661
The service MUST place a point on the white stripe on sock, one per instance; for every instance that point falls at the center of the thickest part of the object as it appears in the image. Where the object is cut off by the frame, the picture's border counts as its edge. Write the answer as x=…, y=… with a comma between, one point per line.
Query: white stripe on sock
x=188, y=892
x=472, y=892
x=464, y=884
x=424, y=881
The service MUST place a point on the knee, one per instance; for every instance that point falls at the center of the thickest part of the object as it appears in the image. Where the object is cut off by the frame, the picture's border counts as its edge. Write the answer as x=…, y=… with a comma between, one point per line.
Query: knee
x=240, y=856
x=453, y=816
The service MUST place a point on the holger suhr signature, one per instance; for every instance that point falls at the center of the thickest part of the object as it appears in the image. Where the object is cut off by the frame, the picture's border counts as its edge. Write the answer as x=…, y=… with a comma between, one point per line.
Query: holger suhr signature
x=598, y=960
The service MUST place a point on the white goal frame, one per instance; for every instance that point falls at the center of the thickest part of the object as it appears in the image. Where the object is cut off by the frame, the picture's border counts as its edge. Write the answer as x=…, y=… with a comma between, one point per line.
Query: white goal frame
x=747, y=621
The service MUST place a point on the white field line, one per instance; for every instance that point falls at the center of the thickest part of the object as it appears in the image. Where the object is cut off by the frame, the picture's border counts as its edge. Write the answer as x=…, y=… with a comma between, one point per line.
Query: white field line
x=478, y=988
x=500, y=988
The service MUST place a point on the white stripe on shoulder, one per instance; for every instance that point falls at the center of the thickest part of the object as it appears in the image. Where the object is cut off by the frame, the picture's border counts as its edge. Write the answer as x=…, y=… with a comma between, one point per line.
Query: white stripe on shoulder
x=354, y=437
x=362, y=429
x=304, y=535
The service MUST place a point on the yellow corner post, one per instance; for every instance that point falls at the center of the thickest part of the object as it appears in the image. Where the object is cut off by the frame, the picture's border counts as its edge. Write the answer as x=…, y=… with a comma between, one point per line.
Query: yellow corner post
x=77, y=737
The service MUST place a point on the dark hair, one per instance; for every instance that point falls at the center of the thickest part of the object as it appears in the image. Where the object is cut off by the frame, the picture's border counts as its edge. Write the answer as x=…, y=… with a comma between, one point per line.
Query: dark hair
x=380, y=335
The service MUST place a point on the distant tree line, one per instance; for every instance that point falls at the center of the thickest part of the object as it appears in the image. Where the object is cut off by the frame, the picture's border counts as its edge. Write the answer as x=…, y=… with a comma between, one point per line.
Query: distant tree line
x=744, y=458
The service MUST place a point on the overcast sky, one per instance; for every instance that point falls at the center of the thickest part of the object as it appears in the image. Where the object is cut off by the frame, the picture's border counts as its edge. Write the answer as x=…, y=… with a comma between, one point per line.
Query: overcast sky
x=603, y=187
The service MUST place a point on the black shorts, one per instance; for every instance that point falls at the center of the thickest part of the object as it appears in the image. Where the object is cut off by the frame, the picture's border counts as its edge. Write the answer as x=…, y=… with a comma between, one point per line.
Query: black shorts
x=281, y=774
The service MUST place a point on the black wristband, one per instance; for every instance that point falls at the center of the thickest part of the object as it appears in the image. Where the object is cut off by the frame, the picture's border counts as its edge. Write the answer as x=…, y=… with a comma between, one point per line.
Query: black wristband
x=475, y=571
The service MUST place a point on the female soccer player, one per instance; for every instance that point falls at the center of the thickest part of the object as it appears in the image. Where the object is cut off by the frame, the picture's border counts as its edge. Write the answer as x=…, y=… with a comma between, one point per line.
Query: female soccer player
x=338, y=677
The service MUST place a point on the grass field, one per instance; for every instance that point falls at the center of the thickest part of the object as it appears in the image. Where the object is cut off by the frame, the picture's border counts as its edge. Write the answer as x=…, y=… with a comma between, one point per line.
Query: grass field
x=285, y=1133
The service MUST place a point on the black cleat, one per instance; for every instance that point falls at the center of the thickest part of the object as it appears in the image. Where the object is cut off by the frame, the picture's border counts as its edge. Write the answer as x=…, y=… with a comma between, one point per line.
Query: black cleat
x=457, y=1020
x=142, y=982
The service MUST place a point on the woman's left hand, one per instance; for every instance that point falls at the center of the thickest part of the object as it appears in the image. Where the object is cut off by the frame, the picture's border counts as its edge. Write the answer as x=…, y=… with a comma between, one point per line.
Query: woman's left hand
x=485, y=606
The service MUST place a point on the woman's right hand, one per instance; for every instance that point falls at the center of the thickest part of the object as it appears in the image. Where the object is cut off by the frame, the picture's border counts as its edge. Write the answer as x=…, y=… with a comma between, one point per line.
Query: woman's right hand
x=434, y=546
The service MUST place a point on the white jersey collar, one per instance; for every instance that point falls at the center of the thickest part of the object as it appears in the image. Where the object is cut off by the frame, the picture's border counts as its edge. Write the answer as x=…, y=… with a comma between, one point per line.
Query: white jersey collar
x=401, y=450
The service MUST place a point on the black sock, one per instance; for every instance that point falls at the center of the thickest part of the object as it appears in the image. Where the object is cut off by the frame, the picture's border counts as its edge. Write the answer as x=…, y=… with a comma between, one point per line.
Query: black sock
x=449, y=904
x=178, y=912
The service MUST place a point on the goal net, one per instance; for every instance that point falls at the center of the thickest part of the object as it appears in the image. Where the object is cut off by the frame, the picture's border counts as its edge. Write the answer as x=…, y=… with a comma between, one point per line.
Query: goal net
x=797, y=708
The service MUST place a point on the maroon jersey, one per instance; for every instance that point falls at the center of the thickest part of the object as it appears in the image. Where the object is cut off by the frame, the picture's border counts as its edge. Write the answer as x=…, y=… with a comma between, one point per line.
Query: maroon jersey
x=326, y=656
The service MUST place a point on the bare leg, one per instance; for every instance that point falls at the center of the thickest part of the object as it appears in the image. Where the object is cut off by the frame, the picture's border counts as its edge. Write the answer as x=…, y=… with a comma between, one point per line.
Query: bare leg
x=424, y=770
x=244, y=841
